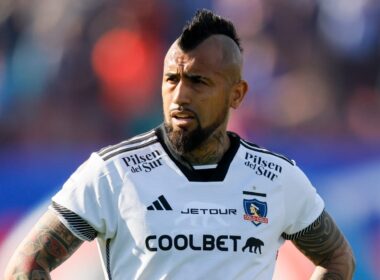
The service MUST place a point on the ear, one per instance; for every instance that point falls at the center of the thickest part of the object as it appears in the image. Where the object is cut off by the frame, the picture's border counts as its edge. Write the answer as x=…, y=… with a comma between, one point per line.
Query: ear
x=238, y=92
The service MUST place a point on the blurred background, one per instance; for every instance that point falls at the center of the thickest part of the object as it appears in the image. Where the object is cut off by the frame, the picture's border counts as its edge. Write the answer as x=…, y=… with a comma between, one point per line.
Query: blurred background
x=77, y=75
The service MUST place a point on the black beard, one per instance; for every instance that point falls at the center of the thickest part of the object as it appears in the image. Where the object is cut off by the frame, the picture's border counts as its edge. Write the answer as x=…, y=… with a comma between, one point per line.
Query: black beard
x=184, y=141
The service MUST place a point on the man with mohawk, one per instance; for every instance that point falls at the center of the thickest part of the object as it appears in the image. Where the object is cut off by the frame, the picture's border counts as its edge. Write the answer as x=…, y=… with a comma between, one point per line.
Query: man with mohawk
x=134, y=197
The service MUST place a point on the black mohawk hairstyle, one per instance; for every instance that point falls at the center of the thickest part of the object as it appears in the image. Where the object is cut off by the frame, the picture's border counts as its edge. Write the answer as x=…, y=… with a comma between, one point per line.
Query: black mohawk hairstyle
x=204, y=24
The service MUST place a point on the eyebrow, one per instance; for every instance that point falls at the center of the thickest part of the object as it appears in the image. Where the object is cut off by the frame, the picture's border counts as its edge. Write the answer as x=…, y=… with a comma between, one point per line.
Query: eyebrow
x=190, y=76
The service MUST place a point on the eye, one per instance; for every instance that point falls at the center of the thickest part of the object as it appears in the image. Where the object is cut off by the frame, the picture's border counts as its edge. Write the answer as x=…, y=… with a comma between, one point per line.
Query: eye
x=197, y=80
x=172, y=78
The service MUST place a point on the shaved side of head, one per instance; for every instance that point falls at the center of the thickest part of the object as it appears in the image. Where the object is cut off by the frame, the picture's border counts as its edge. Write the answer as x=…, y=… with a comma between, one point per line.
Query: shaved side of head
x=226, y=53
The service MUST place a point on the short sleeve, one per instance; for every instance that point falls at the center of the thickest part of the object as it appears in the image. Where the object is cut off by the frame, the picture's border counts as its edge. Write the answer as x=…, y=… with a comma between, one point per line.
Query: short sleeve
x=303, y=205
x=86, y=200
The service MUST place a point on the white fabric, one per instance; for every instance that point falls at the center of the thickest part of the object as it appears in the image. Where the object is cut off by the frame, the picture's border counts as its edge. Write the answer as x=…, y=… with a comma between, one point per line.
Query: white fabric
x=204, y=234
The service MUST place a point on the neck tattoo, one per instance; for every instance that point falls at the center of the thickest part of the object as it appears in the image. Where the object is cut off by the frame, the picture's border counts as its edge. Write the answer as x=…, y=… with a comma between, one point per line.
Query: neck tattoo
x=211, y=151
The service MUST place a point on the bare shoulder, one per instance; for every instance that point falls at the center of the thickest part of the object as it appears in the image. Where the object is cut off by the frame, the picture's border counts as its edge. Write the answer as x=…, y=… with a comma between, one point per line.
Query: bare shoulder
x=47, y=245
x=325, y=245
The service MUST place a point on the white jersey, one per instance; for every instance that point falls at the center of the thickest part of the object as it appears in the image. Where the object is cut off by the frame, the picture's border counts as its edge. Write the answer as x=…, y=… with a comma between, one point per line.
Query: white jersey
x=155, y=217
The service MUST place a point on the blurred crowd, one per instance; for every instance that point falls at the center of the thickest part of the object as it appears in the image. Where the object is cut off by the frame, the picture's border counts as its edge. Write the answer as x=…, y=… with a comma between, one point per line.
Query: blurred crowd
x=81, y=71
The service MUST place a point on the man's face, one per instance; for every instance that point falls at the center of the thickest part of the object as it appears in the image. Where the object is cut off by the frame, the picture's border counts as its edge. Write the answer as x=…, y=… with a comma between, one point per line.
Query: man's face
x=196, y=93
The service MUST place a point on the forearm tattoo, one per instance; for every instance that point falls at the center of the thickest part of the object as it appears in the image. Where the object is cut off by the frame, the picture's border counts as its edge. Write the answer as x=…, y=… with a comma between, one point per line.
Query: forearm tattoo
x=326, y=246
x=47, y=246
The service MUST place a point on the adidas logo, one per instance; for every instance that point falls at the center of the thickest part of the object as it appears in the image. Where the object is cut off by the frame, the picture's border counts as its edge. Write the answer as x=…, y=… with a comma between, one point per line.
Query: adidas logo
x=160, y=204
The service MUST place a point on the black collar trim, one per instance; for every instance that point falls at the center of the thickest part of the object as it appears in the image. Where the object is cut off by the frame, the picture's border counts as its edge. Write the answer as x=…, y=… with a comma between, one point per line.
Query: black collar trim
x=201, y=175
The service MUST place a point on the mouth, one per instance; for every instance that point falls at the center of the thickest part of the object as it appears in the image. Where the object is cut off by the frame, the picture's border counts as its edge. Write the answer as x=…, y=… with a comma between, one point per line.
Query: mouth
x=182, y=119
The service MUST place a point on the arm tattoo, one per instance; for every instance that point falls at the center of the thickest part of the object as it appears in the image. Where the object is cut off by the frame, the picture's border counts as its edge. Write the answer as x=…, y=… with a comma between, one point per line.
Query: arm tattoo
x=325, y=246
x=48, y=245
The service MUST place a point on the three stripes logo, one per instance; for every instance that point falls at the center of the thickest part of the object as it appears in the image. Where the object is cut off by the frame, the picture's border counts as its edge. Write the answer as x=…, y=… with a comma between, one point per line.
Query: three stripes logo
x=160, y=204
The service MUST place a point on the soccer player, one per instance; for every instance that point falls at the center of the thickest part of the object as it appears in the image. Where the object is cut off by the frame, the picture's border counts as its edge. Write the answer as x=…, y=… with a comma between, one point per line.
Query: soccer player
x=188, y=199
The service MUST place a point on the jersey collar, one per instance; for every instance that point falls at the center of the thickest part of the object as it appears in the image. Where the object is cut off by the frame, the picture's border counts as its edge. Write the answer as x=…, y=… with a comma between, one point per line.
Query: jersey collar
x=201, y=175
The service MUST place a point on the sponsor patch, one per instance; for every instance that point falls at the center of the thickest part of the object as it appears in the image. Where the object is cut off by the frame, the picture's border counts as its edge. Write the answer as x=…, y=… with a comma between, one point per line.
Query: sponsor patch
x=205, y=242
x=143, y=162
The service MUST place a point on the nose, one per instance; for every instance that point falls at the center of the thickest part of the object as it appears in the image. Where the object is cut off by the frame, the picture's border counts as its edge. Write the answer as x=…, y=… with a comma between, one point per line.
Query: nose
x=181, y=94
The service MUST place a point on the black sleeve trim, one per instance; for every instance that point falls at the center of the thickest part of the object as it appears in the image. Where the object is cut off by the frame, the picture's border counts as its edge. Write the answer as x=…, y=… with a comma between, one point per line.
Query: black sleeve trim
x=79, y=226
x=305, y=230
x=108, y=259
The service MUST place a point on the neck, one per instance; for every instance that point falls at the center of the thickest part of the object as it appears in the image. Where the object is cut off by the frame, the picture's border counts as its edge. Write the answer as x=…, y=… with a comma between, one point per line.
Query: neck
x=211, y=151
